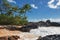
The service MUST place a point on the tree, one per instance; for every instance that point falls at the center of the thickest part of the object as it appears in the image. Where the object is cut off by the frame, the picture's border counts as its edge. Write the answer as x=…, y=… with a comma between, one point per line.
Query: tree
x=7, y=13
x=23, y=10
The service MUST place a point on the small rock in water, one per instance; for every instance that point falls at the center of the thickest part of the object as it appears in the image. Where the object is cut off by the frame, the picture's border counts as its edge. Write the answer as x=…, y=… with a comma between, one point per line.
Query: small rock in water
x=39, y=38
x=13, y=38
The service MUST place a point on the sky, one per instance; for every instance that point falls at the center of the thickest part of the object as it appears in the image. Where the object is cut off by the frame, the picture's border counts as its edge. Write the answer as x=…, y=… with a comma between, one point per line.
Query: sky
x=41, y=9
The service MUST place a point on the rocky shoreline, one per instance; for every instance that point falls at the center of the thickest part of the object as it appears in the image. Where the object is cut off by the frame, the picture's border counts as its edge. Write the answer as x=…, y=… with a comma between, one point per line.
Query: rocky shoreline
x=28, y=32
x=9, y=33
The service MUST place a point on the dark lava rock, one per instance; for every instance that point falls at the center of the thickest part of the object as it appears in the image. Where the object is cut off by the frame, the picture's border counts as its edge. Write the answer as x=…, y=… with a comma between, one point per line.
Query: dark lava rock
x=13, y=38
x=11, y=28
x=27, y=28
x=55, y=24
x=50, y=37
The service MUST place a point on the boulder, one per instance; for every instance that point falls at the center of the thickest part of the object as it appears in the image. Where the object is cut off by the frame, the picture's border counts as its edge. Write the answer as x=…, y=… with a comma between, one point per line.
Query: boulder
x=51, y=37
x=27, y=28
x=13, y=38
x=39, y=38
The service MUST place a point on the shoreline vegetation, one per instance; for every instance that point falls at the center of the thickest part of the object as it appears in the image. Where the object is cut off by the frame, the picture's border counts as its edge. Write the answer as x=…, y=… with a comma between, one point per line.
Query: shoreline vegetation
x=13, y=14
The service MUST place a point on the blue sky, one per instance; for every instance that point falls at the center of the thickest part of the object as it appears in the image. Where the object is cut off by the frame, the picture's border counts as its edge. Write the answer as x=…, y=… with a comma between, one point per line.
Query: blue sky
x=41, y=9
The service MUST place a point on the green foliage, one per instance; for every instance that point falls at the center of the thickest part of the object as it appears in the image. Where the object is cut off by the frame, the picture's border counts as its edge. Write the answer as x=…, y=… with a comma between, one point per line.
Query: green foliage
x=25, y=8
x=3, y=19
x=8, y=14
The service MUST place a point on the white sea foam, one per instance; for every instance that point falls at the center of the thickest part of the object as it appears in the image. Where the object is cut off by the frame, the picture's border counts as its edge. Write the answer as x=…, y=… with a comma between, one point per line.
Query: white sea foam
x=43, y=31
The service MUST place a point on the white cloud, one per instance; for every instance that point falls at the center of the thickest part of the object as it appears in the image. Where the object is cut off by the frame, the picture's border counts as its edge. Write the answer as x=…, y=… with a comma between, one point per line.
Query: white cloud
x=51, y=5
x=11, y=1
x=34, y=6
x=58, y=3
